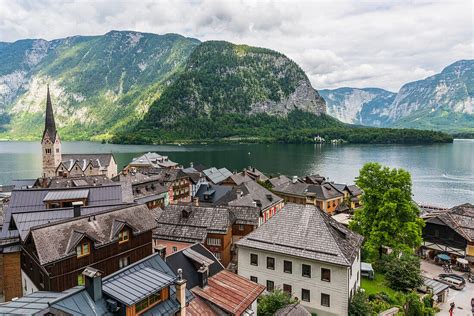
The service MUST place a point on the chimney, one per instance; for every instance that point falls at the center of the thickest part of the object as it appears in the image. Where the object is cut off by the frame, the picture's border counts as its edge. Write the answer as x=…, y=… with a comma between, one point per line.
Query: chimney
x=203, y=274
x=196, y=201
x=180, y=285
x=77, y=208
x=295, y=179
x=93, y=281
x=191, y=164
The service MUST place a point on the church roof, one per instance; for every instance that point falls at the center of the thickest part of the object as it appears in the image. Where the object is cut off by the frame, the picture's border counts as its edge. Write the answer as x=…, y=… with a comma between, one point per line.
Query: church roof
x=49, y=124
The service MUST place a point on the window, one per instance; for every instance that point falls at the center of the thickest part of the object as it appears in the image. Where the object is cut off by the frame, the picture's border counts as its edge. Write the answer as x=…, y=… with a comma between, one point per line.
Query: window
x=270, y=263
x=217, y=255
x=270, y=285
x=41, y=279
x=80, y=279
x=305, y=295
x=47, y=150
x=325, y=275
x=57, y=150
x=287, y=288
x=123, y=236
x=214, y=242
x=325, y=300
x=306, y=270
x=287, y=266
x=241, y=227
x=175, y=248
x=254, y=279
x=83, y=249
x=254, y=259
x=147, y=302
x=123, y=262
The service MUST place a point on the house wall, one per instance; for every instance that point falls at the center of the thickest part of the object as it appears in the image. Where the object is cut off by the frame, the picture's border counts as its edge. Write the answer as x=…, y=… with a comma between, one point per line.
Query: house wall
x=112, y=169
x=169, y=244
x=337, y=288
x=10, y=276
x=224, y=249
x=28, y=286
x=444, y=235
x=62, y=275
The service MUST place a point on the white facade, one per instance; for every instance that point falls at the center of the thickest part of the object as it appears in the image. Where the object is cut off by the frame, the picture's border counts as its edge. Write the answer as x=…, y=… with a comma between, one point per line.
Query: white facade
x=344, y=281
x=27, y=285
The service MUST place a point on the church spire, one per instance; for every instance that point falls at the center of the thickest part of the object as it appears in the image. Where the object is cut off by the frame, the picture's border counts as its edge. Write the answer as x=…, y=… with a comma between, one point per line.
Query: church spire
x=49, y=124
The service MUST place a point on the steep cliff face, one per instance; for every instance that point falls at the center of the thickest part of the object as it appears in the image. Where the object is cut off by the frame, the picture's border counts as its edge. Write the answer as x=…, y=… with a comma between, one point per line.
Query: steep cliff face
x=444, y=102
x=98, y=83
x=223, y=78
x=368, y=106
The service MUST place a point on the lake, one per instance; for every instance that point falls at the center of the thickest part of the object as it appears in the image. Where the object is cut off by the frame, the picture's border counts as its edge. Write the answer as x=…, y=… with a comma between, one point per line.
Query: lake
x=443, y=174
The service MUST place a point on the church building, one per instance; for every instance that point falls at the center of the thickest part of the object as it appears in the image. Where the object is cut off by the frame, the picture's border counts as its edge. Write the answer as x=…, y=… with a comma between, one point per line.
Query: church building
x=55, y=164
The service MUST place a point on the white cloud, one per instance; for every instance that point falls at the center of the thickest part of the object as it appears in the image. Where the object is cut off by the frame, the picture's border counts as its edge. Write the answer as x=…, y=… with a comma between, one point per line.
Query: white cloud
x=338, y=43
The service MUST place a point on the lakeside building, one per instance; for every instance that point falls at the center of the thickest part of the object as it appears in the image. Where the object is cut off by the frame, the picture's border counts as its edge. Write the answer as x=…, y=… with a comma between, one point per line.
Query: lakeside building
x=325, y=196
x=450, y=232
x=30, y=207
x=56, y=164
x=306, y=253
x=216, y=290
x=151, y=161
x=146, y=287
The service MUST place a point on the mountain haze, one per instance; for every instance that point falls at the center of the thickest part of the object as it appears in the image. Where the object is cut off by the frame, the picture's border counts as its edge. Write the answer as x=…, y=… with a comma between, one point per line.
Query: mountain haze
x=444, y=101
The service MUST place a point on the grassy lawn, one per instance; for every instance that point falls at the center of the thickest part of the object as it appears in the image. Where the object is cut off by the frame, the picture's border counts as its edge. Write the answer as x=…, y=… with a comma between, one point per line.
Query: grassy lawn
x=376, y=285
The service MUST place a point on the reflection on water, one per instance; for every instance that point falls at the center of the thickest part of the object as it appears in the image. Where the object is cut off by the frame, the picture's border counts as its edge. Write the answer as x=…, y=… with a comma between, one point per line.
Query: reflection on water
x=443, y=174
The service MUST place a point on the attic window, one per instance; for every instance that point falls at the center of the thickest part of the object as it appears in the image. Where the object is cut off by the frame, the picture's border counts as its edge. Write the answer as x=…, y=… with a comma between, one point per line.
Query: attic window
x=270, y=197
x=83, y=249
x=123, y=236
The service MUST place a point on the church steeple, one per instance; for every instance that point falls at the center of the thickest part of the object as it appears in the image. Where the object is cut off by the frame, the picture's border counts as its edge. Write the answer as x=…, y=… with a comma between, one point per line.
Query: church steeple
x=51, y=144
x=49, y=124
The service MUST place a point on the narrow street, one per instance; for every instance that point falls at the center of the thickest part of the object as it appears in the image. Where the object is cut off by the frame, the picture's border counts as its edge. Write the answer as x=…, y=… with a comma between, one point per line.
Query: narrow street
x=461, y=299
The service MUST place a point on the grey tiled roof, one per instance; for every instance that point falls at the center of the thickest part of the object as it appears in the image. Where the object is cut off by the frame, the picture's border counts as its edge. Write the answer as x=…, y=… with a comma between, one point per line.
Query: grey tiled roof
x=98, y=160
x=192, y=223
x=305, y=231
x=30, y=304
x=53, y=241
x=217, y=176
x=153, y=160
x=460, y=218
x=240, y=178
x=276, y=181
x=324, y=191
x=249, y=192
x=211, y=193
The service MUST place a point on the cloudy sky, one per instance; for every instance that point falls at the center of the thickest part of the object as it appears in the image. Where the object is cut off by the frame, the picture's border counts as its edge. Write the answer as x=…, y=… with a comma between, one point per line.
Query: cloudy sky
x=338, y=43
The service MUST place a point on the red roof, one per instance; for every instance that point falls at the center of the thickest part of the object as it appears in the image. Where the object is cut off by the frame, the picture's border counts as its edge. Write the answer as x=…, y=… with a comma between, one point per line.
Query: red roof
x=230, y=292
x=198, y=307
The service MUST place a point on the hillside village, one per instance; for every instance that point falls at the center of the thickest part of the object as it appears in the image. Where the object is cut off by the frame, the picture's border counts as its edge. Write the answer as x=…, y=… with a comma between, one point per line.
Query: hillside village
x=160, y=238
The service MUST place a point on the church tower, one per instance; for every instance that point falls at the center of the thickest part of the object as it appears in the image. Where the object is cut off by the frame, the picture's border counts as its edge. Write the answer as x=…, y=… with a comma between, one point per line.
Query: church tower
x=50, y=144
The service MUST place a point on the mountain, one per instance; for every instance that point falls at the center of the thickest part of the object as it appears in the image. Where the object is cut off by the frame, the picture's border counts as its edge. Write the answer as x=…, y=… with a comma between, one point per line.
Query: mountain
x=368, y=106
x=444, y=101
x=224, y=87
x=98, y=83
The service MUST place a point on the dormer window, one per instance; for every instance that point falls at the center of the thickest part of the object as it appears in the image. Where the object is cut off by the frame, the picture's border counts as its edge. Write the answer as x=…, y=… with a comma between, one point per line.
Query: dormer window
x=83, y=249
x=123, y=236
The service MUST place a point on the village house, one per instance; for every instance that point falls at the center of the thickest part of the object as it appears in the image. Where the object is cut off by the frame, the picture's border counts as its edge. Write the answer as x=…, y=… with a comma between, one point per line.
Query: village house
x=55, y=255
x=325, y=196
x=143, y=188
x=177, y=182
x=216, y=290
x=217, y=176
x=252, y=194
x=449, y=232
x=180, y=226
x=31, y=207
x=146, y=287
x=151, y=161
x=55, y=164
x=307, y=254
x=255, y=174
